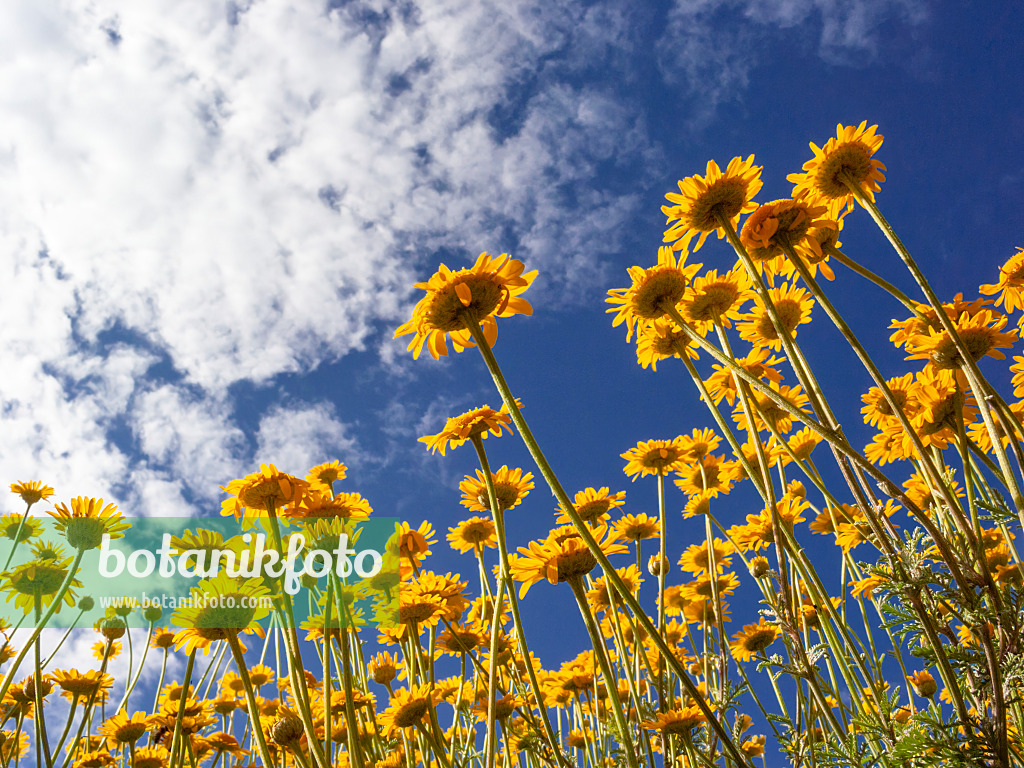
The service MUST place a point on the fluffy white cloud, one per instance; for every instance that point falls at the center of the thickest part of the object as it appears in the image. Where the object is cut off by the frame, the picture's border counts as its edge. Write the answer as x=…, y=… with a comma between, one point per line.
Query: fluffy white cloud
x=194, y=195
x=299, y=437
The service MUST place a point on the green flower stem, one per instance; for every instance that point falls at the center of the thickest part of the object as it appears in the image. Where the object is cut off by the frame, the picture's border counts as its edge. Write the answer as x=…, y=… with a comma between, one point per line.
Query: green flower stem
x=970, y=367
x=296, y=670
x=74, y=625
x=326, y=659
x=610, y=679
x=664, y=686
x=864, y=272
x=492, y=675
x=354, y=747
x=872, y=369
x=17, y=537
x=221, y=655
x=67, y=725
x=37, y=630
x=610, y=573
x=42, y=742
x=138, y=673
x=87, y=713
x=503, y=565
x=724, y=426
x=879, y=523
x=250, y=700
x=186, y=683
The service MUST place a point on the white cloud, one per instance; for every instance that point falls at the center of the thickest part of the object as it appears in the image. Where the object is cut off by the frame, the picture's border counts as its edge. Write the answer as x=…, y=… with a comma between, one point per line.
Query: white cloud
x=299, y=437
x=237, y=194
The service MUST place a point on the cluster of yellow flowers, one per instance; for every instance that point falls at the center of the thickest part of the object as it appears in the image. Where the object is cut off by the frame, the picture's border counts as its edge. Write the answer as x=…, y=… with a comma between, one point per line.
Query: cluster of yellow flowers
x=910, y=657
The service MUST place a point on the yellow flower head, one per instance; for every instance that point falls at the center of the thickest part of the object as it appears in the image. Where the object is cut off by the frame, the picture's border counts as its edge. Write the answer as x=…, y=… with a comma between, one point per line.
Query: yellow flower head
x=511, y=486
x=562, y=556
x=268, y=491
x=1010, y=286
x=86, y=522
x=793, y=306
x=713, y=298
x=844, y=160
x=592, y=504
x=455, y=300
x=478, y=422
x=662, y=339
x=752, y=640
x=653, y=291
x=222, y=608
x=704, y=202
x=32, y=491
x=785, y=224
x=473, y=534
x=323, y=476
x=655, y=457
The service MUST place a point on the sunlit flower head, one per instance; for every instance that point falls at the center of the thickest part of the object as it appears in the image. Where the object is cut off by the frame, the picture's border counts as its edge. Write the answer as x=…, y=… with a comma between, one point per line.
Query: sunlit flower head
x=592, y=504
x=511, y=486
x=598, y=596
x=716, y=298
x=981, y=332
x=793, y=305
x=655, y=457
x=770, y=412
x=473, y=535
x=877, y=411
x=413, y=545
x=490, y=288
x=266, y=492
x=38, y=580
x=848, y=157
x=785, y=224
x=321, y=505
x=20, y=528
x=82, y=685
x=222, y=608
x=711, y=475
x=1010, y=286
x=697, y=557
x=662, y=339
x=753, y=639
x=722, y=384
x=87, y=520
x=637, y=527
x=676, y=722
x=703, y=202
x=323, y=476
x=562, y=556
x=653, y=291
x=32, y=491
x=478, y=422
x=407, y=708
x=121, y=730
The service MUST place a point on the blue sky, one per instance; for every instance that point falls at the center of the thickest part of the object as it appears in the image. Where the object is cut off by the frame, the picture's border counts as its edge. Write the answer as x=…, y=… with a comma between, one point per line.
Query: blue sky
x=212, y=214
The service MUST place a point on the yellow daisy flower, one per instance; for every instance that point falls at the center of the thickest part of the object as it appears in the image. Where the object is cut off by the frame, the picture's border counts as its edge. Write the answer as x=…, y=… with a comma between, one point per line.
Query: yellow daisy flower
x=848, y=156
x=477, y=422
x=511, y=486
x=490, y=288
x=704, y=201
x=653, y=291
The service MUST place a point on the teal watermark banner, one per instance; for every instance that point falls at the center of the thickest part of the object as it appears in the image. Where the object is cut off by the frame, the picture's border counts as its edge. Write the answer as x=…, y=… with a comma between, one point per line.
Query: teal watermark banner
x=211, y=573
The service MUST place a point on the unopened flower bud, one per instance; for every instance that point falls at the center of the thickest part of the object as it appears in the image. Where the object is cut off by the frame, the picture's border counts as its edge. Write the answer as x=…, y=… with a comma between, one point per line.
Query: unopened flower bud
x=759, y=567
x=113, y=628
x=658, y=564
x=286, y=731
